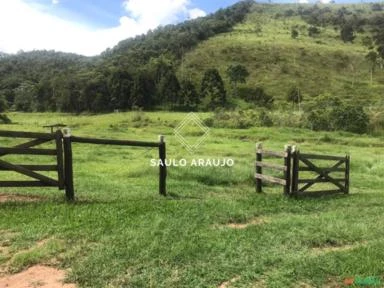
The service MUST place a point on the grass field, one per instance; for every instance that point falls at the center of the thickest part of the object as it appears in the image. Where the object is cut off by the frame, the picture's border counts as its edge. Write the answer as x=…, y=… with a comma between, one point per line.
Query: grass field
x=212, y=227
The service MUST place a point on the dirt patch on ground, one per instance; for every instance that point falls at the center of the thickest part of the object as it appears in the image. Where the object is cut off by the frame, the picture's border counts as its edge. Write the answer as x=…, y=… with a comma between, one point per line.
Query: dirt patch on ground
x=336, y=248
x=36, y=277
x=259, y=284
x=228, y=283
x=19, y=198
x=253, y=222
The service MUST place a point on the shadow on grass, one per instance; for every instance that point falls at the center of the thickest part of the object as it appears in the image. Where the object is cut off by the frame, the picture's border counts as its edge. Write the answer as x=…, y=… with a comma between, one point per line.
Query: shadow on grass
x=175, y=196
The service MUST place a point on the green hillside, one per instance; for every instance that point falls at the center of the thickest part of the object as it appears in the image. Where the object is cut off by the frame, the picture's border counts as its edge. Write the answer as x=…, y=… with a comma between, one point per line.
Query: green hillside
x=276, y=61
x=324, y=61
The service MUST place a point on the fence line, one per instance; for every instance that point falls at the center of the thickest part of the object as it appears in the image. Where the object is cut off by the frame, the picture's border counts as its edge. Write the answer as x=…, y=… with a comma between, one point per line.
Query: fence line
x=293, y=165
x=64, y=158
x=286, y=168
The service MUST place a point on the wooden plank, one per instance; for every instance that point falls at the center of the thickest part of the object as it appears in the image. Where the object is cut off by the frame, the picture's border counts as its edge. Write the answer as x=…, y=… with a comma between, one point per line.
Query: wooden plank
x=322, y=174
x=28, y=144
x=33, y=167
x=28, y=151
x=271, y=166
x=259, y=169
x=295, y=170
x=270, y=179
x=29, y=173
x=25, y=184
x=321, y=157
x=347, y=169
x=68, y=168
x=273, y=153
x=20, y=134
x=114, y=142
x=313, y=181
x=324, y=169
x=59, y=159
x=287, y=172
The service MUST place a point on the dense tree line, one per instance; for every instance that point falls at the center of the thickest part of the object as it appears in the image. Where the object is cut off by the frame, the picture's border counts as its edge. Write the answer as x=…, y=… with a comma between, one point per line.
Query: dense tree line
x=138, y=72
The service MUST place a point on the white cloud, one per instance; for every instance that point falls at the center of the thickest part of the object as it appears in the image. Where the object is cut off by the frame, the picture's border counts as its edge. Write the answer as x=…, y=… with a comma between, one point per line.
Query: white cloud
x=23, y=26
x=196, y=13
x=55, y=2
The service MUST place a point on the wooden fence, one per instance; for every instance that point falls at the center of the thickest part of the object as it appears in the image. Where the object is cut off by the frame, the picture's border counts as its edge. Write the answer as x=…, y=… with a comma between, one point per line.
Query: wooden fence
x=296, y=162
x=286, y=168
x=63, y=159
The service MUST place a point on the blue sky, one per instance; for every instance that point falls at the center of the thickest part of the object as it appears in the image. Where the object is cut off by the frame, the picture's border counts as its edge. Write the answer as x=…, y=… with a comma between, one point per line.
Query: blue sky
x=88, y=27
x=104, y=13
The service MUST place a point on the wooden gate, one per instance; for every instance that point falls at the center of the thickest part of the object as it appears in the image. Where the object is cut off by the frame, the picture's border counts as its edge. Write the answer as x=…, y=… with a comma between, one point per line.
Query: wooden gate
x=302, y=171
x=29, y=148
x=306, y=163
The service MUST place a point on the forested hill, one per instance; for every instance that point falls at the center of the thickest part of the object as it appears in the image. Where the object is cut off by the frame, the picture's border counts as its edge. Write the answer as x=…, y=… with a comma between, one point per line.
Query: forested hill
x=246, y=55
x=129, y=75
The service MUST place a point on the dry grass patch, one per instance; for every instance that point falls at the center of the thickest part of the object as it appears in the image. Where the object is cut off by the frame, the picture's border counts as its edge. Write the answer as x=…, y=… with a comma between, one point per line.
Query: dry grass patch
x=228, y=283
x=335, y=248
x=19, y=198
x=252, y=222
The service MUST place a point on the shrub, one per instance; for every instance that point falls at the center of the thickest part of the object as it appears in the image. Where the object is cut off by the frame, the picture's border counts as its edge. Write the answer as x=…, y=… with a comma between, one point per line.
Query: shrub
x=265, y=119
x=351, y=118
x=4, y=119
x=329, y=113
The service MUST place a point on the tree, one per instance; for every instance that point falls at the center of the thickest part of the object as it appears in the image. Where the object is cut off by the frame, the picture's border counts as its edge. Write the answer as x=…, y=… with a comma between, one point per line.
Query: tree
x=212, y=88
x=313, y=31
x=120, y=85
x=189, y=98
x=24, y=96
x=294, y=33
x=372, y=58
x=259, y=97
x=351, y=118
x=169, y=88
x=142, y=91
x=347, y=33
x=3, y=103
x=237, y=74
x=3, y=106
x=294, y=95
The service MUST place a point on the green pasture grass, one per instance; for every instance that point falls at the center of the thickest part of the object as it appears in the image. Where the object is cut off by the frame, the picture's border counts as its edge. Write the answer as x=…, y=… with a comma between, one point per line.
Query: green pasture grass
x=121, y=233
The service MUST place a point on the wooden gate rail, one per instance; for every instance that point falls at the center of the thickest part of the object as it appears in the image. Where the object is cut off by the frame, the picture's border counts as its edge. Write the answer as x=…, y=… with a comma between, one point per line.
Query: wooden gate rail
x=68, y=139
x=286, y=168
x=30, y=170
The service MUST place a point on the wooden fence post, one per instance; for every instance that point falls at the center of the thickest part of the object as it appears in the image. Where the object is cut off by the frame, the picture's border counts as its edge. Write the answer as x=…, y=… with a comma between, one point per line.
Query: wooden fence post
x=259, y=169
x=347, y=168
x=68, y=169
x=60, y=161
x=295, y=170
x=163, y=167
x=287, y=172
